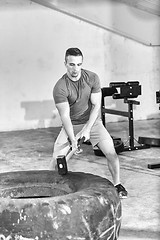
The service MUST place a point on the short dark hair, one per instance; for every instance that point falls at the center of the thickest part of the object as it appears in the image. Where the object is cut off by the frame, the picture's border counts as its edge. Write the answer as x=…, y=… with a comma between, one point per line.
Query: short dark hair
x=73, y=52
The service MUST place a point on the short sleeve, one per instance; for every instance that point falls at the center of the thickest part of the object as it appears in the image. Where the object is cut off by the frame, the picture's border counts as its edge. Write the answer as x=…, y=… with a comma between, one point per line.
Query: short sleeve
x=60, y=92
x=96, y=84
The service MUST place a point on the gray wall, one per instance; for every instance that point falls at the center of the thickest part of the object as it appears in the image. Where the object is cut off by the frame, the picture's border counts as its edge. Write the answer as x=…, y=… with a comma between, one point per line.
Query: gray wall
x=32, y=45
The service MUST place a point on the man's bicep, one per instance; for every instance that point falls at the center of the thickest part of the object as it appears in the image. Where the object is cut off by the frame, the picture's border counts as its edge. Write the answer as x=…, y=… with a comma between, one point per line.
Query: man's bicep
x=63, y=108
x=96, y=98
x=60, y=92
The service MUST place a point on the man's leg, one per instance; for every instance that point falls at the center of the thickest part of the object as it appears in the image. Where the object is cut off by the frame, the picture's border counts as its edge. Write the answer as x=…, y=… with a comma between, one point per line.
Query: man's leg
x=101, y=138
x=107, y=147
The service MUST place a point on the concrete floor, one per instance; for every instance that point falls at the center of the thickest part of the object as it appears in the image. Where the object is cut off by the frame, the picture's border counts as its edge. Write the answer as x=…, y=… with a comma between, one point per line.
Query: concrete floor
x=32, y=149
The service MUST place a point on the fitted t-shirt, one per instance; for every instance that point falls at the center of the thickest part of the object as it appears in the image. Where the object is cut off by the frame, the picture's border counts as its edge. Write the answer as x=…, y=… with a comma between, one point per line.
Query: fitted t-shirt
x=77, y=94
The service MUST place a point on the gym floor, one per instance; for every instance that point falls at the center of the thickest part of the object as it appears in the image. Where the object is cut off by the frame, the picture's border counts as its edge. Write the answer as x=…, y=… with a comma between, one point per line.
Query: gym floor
x=32, y=149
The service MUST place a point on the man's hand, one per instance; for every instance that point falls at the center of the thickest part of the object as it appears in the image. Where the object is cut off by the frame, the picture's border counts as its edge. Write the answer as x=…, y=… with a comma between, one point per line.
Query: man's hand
x=73, y=144
x=84, y=133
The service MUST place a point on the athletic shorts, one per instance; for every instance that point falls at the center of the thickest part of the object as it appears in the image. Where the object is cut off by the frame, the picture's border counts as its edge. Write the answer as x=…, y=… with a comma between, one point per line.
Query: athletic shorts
x=98, y=133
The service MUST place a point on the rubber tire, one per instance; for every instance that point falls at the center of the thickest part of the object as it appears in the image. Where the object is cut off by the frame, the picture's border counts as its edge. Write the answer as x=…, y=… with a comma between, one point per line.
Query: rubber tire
x=118, y=144
x=45, y=205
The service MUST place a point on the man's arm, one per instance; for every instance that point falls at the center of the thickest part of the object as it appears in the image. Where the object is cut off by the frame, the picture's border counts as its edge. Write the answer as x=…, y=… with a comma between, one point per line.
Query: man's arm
x=64, y=112
x=96, y=105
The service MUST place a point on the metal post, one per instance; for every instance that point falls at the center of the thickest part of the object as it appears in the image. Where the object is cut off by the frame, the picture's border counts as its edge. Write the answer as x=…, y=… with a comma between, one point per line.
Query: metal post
x=131, y=128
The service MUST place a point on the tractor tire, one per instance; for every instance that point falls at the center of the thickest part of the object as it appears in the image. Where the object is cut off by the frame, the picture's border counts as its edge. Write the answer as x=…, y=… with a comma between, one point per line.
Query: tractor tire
x=43, y=205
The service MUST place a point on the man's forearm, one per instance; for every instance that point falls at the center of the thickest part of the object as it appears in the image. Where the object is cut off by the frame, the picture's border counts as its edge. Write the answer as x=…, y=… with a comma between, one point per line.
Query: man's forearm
x=96, y=105
x=93, y=116
x=67, y=124
x=64, y=112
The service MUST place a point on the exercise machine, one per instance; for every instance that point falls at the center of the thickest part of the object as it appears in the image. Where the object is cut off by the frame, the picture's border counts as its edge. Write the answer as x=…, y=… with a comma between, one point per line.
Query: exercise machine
x=154, y=142
x=126, y=91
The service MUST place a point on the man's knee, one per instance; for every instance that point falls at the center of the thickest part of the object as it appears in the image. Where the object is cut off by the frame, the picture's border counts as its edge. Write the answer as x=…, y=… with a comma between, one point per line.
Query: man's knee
x=107, y=147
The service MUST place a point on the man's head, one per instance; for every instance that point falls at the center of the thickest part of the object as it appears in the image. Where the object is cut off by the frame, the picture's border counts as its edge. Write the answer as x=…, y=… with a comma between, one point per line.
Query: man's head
x=73, y=52
x=73, y=63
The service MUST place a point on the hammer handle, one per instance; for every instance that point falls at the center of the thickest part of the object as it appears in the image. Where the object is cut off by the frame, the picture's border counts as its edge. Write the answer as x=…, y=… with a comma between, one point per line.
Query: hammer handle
x=70, y=154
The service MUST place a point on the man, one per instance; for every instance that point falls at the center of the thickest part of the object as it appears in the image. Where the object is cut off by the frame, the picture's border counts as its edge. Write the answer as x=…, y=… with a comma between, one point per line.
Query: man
x=77, y=96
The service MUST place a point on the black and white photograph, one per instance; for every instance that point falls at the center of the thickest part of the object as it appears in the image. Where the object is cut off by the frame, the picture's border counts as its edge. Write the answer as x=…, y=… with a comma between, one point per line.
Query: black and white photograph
x=80, y=120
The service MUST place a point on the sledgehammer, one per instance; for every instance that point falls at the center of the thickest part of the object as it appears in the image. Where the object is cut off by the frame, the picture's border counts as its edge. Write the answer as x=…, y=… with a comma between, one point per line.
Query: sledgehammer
x=62, y=159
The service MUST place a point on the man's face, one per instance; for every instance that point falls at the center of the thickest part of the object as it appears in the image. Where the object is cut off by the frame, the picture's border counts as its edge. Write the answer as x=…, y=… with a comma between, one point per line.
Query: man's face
x=74, y=65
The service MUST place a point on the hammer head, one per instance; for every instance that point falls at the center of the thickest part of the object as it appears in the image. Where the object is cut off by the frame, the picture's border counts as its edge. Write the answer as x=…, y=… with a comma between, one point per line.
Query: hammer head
x=62, y=165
